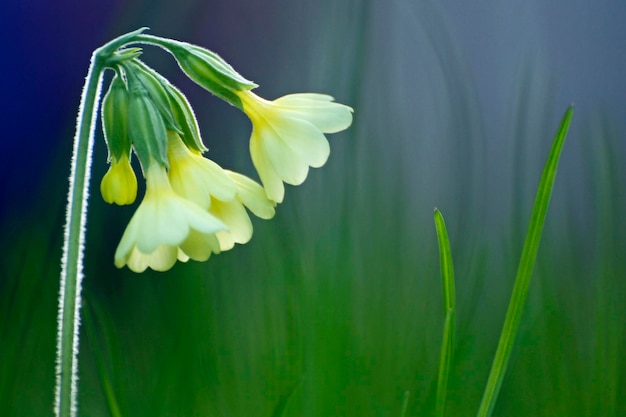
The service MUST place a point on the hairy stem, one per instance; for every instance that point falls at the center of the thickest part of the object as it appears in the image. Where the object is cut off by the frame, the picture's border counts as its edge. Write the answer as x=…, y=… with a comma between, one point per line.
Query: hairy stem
x=74, y=241
x=75, y=223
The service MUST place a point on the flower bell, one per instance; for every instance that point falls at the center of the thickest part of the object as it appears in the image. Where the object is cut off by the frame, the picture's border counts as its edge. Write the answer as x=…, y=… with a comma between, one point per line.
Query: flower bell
x=288, y=136
x=166, y=227
x=196, y=178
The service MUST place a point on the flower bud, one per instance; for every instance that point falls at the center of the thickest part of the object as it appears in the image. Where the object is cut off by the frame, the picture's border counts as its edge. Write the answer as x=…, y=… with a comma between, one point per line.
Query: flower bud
x=119, y=184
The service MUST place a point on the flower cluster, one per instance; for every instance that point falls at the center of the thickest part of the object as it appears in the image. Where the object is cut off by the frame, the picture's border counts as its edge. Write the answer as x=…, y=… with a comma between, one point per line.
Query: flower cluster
x=192, y=207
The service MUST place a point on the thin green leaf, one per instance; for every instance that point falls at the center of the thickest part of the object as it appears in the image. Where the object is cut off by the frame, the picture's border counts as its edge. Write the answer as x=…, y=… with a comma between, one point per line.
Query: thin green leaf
x=99, y=348
x=405, y=403
x=525, y=269
x=445, y=259
x=283, y=402
x=447, y=344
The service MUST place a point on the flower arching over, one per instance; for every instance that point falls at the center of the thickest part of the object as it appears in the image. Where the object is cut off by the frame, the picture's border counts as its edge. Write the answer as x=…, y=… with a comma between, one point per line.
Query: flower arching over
x=166, y=227
x=192, y=206
x=288, y=136
x=119, y=184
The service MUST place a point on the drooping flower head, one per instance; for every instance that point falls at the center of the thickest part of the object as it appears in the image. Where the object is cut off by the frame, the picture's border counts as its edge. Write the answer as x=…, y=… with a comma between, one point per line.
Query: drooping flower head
x=288, y=133
x=193, y=207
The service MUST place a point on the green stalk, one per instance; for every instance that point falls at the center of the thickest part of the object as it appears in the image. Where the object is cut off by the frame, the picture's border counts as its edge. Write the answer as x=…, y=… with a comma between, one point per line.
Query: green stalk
x=75, y=225
x=74, y=241
x=524, y=272
x=449, y=305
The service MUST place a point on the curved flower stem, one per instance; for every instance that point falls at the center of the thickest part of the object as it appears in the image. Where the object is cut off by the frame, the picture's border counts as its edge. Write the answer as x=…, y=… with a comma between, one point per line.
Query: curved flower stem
x=74, y=240
x=74, y=233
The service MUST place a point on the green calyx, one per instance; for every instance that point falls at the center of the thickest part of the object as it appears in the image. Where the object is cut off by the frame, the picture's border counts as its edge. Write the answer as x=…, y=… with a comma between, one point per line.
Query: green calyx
x=110, y=53
x=115, y=119
x=123, y=55
x=147, y=129
x=181, y=111
x=153, y=86
x=206, y=68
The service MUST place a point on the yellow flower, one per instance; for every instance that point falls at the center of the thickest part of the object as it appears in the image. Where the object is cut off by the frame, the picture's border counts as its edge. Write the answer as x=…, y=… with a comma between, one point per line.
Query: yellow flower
x=194, y=177
x=223, y=193
x=166, y=227
x=119, y=184
x=288, y=136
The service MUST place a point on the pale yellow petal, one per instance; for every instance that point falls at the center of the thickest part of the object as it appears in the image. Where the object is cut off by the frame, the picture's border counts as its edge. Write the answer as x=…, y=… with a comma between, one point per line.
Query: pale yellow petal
x=160, y=222
x=287, y=164
x=274, y=187
x=161, y=259
x=236, y=218
x=318, y=109
x=253, y=196
x=126, y=245
x=169, y=220
x=200, y=246
x=196, y=178
x=304, y=139
x=182, y=256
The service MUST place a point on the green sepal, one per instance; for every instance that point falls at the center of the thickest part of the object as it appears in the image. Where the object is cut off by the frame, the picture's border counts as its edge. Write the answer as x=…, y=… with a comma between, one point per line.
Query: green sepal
x=146, y=129
x=187, y=119
x=208, y=70
x=123, y=55
x=115, y=119
x=155, y=89
x=182, y=112
x=105, y=52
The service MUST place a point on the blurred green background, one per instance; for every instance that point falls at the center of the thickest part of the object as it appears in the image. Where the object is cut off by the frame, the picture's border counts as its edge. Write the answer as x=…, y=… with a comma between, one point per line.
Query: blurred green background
x=334, y=308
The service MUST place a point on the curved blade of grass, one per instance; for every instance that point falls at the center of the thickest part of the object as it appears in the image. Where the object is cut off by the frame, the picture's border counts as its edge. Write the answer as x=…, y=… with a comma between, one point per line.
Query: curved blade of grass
x=524, y=271
x=447, y=281
x=95, y=340
x=284, y=400
x=405, y=403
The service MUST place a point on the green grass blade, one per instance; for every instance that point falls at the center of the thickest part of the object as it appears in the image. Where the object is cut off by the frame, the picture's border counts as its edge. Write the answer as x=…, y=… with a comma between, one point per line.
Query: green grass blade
x=524, y=272
x=283, y=402
x=405, y=403
x=447, y=344
x=447, y=269
x=95, y=340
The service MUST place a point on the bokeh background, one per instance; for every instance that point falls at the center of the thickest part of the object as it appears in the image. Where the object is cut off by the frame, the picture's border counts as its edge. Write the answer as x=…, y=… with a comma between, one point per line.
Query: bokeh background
x=334, y=308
